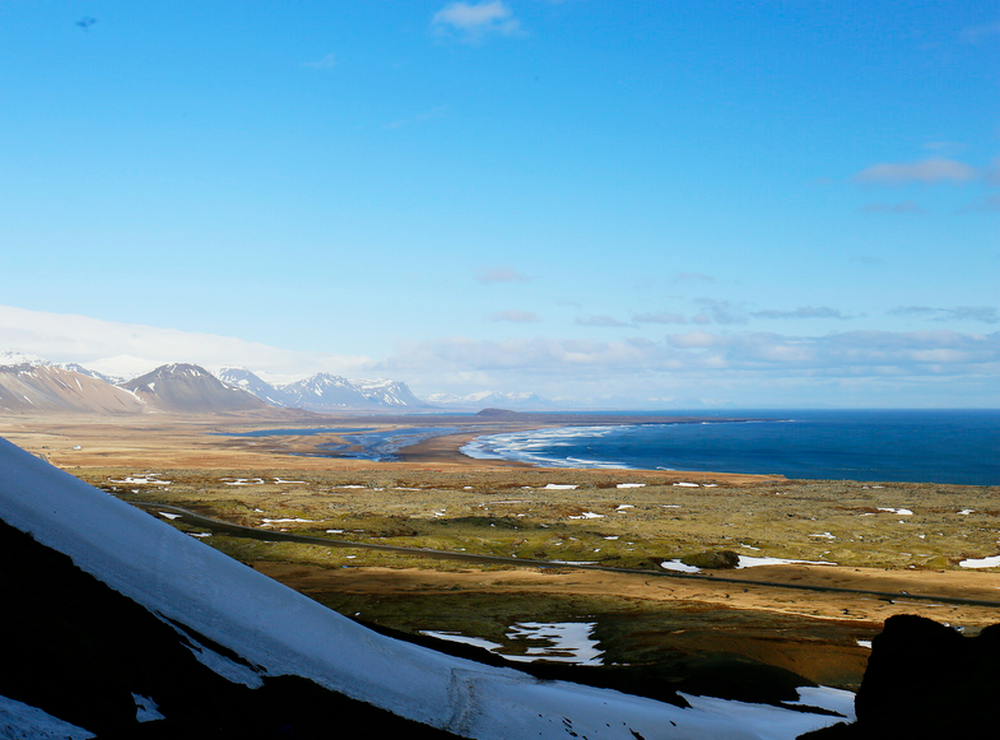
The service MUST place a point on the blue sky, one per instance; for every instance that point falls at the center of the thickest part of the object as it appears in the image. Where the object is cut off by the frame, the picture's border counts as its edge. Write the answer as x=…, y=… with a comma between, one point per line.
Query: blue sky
x=645, y=204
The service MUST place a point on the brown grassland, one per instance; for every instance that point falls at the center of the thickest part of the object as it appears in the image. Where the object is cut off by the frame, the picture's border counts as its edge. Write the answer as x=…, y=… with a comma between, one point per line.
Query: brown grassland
x=892, y=547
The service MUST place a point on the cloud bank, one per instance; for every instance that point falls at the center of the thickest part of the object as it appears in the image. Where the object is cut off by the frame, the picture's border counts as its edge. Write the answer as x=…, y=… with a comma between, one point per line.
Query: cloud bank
x=864, y=368
x=928, y=171
x=132, y=348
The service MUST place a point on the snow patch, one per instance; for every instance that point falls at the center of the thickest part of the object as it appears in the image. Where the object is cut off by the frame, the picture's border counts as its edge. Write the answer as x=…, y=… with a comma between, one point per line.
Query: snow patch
x=148, y=479
x=991, y=562
x=747, y=561
x=283, y=521
x=678, y=566
x=570, y=642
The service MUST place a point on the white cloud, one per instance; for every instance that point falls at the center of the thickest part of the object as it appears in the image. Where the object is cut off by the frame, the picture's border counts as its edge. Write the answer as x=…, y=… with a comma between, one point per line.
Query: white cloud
x=515, y=316
x=914, y=368
x=929, y=369
x=427, y=115
x=601, y=320
x=501, y=274
x=984, y=314
x=719, y=312
x=762, y=354
x=928, y=171
x=802, y=312
x=327, y=62
x=697, y=340
x=945, y=147
x=471, y=22
x=658, y=318
x=89, y=341
x=906, y=208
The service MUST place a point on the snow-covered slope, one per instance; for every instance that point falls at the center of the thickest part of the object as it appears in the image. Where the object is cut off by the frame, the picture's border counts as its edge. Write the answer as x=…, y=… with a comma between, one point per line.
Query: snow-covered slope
x=272, y=630
x=386, y=392
x=240, y=377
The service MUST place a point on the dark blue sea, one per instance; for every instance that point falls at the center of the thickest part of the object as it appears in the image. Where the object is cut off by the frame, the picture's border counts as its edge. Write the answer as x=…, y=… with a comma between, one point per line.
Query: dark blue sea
x=936, y=446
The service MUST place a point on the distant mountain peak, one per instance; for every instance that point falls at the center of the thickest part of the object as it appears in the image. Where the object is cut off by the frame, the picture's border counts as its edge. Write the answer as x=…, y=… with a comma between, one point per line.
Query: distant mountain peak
x=183, y=387
x=16, y=359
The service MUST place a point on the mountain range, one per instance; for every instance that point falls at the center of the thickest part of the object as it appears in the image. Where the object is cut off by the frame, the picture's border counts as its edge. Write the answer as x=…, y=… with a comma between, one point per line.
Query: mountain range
x=31, y=384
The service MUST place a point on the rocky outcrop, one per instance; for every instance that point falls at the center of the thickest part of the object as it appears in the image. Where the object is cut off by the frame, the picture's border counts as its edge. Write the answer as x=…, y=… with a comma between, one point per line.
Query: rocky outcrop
x=84, y=653
x=925, y=680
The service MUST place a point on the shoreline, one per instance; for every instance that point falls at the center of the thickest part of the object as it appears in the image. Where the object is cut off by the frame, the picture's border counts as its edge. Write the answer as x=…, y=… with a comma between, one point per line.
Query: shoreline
x=172, y=441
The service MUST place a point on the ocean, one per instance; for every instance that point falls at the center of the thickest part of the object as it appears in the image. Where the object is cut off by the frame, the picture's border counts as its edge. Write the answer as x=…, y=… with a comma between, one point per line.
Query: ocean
x=934, y=446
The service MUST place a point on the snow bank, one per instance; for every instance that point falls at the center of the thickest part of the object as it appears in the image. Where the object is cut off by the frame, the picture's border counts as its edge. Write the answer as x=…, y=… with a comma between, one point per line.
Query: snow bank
x=283, y=632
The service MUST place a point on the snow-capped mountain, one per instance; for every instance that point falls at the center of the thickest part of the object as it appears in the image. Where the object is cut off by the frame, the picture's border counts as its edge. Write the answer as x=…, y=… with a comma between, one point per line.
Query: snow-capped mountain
x=90, y=373
x=123, y=619
x=16, y=359
x=240, y=377
x=324, y=392
x=30, y=384
x=385, y=392
x=491, y=399
x=191, y=389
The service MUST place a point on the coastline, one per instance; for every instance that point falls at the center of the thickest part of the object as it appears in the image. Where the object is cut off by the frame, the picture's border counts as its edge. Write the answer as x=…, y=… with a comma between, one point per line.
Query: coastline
x=202, y=441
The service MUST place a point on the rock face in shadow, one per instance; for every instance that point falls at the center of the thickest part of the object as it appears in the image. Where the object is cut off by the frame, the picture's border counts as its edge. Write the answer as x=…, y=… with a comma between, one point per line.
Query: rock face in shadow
x=82, y=652
x=925, y=680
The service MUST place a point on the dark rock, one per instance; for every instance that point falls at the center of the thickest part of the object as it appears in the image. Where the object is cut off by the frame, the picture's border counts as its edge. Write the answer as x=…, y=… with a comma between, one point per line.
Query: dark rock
x=925, y=680
x=492, y=413
x=713, y=560
x=79, y=650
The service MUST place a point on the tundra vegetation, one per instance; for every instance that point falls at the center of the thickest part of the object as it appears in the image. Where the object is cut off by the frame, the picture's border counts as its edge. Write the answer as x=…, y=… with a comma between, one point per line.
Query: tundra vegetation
x=614, y=519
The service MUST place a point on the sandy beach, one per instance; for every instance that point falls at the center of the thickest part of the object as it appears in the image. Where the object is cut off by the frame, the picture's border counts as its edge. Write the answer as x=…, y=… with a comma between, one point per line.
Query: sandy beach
x=879, y=559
